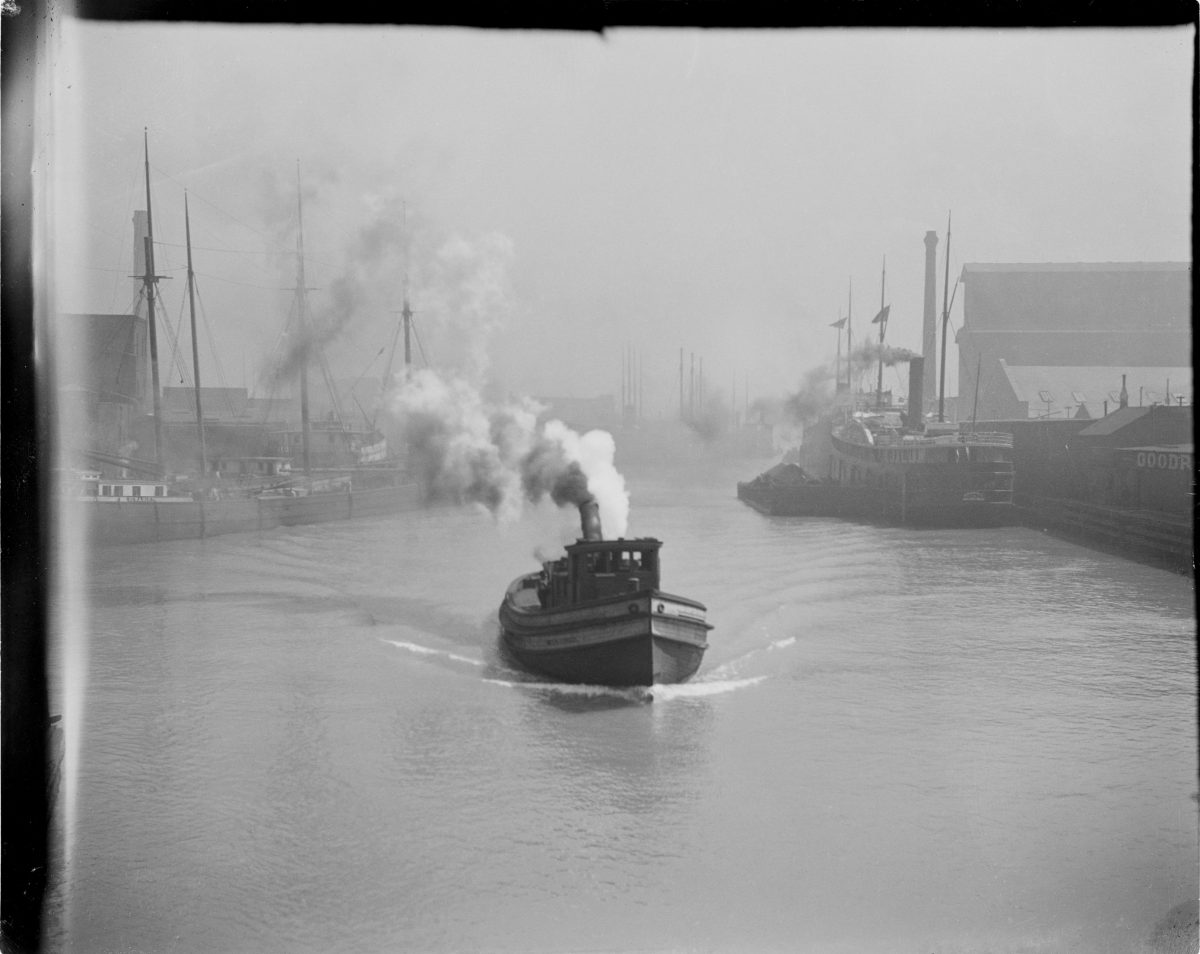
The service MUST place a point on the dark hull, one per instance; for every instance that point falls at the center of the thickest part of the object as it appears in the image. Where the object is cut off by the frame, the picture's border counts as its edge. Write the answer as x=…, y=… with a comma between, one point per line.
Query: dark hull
x=953, y=484
x=639, y=639
x=810, y=500
x=867, y=503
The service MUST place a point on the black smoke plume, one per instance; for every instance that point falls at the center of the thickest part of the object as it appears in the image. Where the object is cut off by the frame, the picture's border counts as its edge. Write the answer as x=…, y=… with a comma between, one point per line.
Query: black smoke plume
x=868, y=353
x=472, y=451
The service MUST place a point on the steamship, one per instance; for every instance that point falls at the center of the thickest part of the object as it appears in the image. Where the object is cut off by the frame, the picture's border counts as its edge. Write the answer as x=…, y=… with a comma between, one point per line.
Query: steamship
x=597, y=615
x=890, y=464
x=876, y=465
x=922, y=472
x=958, y=478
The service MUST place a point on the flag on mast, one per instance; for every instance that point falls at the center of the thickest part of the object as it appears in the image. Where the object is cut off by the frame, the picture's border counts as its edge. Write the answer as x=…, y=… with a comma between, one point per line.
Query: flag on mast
x=882, y=316
x=840, y=323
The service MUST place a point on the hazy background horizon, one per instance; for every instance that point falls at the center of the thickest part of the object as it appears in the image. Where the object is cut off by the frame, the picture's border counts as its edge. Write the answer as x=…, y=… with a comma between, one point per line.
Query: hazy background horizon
x=555, y=197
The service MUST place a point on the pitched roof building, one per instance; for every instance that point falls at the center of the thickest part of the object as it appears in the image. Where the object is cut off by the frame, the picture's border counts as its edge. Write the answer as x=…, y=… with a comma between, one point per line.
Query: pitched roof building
x=1052, y=339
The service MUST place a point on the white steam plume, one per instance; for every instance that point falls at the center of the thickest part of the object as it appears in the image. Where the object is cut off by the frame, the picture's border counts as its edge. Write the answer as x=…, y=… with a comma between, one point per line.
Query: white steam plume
x=501, y=456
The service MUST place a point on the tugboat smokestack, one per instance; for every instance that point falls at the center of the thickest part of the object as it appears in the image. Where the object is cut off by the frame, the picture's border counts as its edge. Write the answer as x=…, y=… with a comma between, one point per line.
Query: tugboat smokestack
x=589, y=518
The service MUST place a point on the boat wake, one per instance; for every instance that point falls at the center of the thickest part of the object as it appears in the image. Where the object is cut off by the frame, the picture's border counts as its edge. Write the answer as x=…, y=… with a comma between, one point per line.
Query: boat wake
x=731, y=669
x=579, y=690
x=704, y=687
x=663, y=692
x=419, y=650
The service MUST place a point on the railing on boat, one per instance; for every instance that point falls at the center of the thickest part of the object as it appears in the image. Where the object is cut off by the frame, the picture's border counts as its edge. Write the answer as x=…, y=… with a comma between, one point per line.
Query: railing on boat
x=999, y=438
x=993, y=438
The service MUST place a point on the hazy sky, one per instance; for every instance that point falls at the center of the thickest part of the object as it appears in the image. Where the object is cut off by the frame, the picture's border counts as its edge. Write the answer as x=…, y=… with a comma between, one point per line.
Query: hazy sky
x=558, y=196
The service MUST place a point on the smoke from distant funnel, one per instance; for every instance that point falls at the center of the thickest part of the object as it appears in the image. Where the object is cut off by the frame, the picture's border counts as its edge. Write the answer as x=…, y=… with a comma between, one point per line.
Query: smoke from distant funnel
x=500, y=456
x=869, y=352
x=370, y=259
x=813, y=398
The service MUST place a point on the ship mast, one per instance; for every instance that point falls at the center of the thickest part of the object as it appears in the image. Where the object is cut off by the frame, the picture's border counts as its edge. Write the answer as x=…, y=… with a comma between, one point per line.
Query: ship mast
x=882, y=319
x=945, y=323
x=406, y=315
x=150, y=279
x=850, y=342
x=837, y=373
x=302, y=313
x=191, y=280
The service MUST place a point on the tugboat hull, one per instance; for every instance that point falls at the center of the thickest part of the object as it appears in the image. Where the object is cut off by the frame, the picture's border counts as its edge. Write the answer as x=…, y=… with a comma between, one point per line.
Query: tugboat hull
x=636, y=639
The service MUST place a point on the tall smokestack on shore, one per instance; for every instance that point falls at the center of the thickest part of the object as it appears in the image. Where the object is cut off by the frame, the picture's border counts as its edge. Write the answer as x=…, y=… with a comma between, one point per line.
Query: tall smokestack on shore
x=929, y=327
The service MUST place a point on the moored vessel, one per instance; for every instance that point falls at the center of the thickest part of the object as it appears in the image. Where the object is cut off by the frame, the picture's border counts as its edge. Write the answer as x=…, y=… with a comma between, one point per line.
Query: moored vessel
x=597, y=615
x=228, y=471
x=876, y=465
x=788, y=490
x=954, y=478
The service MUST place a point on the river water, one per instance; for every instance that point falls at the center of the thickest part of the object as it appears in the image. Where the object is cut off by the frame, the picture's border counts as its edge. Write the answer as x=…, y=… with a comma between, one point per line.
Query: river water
x=901, y=741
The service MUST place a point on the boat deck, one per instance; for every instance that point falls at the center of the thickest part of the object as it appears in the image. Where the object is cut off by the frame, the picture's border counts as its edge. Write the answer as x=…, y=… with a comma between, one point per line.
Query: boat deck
x=523, y=593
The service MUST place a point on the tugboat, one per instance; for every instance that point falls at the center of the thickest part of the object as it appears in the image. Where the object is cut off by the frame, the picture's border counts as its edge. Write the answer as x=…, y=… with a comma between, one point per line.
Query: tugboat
x=597, y=616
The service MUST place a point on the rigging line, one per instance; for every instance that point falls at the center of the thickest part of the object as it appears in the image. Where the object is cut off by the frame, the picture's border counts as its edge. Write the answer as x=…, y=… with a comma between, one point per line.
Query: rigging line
x=233, y=251
x=231, y=281
x=420, y=344
x=127, y=352
x=392, y=355
x=227, y=398
x=270, y=370
x=330, y=385
x=135, y=301
x=382, y=388
x=275, y=357
x=368, y=421
x=109, y=268
x=368, y=368
x=282, y=249
x=280, y=347
x=164, y=318
x=230, y=215
x=185, y=372
x=112, y=335
x=172, y=338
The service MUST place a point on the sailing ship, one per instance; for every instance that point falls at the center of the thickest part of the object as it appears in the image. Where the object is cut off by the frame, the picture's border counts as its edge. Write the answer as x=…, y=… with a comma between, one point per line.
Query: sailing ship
x=350, y=476
x=597, y=615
